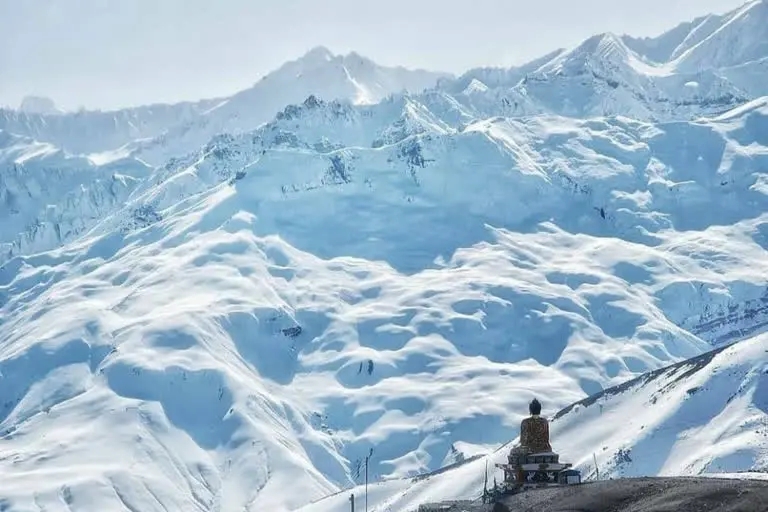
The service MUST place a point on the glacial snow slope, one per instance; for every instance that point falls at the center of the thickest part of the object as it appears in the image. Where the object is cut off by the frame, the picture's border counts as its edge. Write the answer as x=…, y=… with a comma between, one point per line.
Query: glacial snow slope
x=641, y=183
x=740, y=37
x=699, y=68
x=733, y=46
x=717, y=64
x=164, y=131
x=351, y=78
x=344, y=281
x=709, y=42
x=88, y=132
x=49, y=197
x=707, y=415
x=603, y=77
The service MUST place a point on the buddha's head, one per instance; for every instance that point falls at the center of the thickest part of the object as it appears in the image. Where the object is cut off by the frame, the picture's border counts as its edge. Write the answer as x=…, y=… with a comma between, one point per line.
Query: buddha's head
x=534, y=407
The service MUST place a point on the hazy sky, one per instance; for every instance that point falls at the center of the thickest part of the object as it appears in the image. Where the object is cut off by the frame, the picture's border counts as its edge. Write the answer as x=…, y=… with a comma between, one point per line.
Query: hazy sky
x=112, y=53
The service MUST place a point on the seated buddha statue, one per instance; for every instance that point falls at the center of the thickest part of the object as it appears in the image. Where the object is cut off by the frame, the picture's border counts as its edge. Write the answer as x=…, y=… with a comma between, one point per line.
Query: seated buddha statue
x=534, y=438
x=534, y=431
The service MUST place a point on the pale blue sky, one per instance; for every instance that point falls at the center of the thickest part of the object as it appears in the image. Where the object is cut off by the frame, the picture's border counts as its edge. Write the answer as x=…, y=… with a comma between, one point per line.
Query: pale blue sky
x=111, y=53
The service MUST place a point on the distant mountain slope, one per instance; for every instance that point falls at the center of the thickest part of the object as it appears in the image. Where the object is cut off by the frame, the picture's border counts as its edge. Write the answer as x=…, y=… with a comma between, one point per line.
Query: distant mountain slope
x=179, y=128
x=350, y=78
x=48, y=197
x=700, y=68
x=739, y=37
x=662, y=48
x=604, y=77
x=496, y=77
x=611, y=178
x=96, y=131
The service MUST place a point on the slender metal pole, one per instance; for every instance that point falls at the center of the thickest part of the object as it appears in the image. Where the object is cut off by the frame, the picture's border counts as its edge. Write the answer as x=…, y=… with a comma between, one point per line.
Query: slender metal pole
x=597, y=469
x=366, y=483
x=352, y=501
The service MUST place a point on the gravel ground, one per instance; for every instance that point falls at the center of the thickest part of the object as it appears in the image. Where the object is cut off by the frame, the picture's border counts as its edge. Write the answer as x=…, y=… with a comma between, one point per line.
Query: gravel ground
x=648, y=495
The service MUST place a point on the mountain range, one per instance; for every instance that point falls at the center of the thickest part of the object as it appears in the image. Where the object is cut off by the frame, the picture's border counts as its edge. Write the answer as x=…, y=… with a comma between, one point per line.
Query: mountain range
x=205, y=304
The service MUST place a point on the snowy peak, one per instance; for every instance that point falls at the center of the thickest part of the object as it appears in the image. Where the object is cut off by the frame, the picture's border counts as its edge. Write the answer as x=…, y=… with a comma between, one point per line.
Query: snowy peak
x=318, y=74
x=159, y=132
x=603, y=55
x=700, y=68
x=699, y=31
x=709, y=42
x=351, y=76
x=661, y=48
x=604, y=76
x=601, y=76
x=475, y=86
x=597, y=49
x=316, y=56
x=740, y=37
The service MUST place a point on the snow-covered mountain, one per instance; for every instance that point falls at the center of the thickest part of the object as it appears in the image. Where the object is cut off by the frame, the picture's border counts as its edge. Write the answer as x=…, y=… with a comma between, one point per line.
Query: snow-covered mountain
x=163, y=131
x=351, y=78
x=736, y=39
x=381, y=274
x=86, y=132
x=706, y=415
x=733, y=46
x=282, y=303
x=701, y=68
x=603, y=77
x=49, y=197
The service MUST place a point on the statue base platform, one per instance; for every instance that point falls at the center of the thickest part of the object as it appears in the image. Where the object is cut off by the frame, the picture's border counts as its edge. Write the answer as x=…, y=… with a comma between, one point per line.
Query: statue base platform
x=541, y=469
